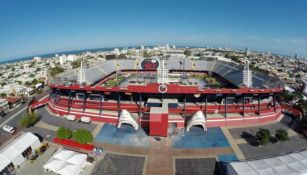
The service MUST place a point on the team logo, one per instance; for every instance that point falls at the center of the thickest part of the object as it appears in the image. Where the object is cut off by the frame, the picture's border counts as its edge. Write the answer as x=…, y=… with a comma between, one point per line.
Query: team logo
x=149, y=64
x=162, y=88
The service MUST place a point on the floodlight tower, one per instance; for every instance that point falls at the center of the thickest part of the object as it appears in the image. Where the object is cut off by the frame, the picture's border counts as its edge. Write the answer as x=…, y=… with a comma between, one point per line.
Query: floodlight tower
x=81, y=74
x=247, y=76
x=162, y=73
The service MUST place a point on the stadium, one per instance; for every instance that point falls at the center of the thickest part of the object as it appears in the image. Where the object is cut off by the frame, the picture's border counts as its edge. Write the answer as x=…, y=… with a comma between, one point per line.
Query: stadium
x=161, y=93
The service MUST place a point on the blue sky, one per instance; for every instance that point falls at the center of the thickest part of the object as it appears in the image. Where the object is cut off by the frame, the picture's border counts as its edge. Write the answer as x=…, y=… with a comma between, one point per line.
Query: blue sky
x=32, y=27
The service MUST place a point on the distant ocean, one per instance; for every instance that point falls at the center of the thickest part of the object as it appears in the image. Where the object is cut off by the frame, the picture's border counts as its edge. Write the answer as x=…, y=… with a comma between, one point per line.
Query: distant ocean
x=75, y=52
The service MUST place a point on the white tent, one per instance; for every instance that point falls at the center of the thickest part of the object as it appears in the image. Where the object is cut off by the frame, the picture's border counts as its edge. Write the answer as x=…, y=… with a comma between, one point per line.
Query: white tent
x=66, y=162
x=290, y=164
x=12, y=153
x=127, y=118
x=197, y=119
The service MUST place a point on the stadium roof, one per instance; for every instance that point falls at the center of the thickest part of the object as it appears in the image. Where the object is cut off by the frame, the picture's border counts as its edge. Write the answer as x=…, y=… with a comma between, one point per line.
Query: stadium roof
x=230, y=71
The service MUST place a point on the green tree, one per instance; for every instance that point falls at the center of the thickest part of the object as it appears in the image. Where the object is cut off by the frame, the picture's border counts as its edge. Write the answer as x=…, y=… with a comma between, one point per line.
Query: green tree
x=3, y=94
x=34, y=81
x=263, y=136
x=187, y=52
x=234, y=58
x=146, y=54
x=3, y=83
x=76, y=64
x=82, y=136
x=56, y=70
x=281, y=135
x=64, y=133
x=29, y=120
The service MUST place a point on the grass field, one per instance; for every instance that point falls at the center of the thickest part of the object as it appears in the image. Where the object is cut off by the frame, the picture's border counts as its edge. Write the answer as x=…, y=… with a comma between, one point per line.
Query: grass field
x=114, y=81
x=212, y=81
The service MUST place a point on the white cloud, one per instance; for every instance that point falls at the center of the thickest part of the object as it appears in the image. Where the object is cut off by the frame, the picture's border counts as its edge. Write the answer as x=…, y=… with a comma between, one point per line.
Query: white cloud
x=290, y=40
x=298, y=40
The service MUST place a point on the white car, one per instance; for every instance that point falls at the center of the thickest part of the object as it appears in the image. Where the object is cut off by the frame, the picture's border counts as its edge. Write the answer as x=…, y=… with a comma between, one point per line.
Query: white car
x=71, y=117
x=9, y=129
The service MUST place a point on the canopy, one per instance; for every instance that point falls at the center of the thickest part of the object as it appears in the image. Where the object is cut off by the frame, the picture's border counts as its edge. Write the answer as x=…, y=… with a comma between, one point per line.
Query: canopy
x=294, y=164
x=13, y=152
x=197, y=119
x=127, y=118
x=66, y=162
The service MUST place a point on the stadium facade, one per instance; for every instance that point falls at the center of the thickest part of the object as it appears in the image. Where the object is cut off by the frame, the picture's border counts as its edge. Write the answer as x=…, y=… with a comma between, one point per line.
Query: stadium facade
x=162, y=93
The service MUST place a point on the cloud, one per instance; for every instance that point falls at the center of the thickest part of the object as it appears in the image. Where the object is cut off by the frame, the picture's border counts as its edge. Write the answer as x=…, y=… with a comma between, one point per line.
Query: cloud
x=290, y=40
x=252, y=37
x=199, y=36
x=298, y=40
x=211, y=37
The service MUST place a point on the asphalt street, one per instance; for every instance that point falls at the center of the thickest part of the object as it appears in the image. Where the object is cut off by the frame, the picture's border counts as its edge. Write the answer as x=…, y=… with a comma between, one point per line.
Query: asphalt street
x=14, y=116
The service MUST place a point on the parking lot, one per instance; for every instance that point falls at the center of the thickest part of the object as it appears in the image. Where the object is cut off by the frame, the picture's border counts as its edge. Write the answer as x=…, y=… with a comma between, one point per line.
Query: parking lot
x=62, y=122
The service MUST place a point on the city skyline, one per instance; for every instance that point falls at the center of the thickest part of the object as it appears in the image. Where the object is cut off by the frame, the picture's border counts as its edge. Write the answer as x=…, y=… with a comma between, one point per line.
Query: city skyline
x=35, y=27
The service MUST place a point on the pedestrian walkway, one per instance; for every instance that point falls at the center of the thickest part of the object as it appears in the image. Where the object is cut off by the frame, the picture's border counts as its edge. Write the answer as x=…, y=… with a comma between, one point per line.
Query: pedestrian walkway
x=160, y=157
x=44, y=125
x=233, y=144
x=97, y=129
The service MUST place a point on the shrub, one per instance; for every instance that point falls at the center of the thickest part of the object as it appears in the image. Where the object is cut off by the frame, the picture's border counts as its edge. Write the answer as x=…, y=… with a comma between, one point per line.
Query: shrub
x=90, y=159
x=43, y=149
x=304, y=122
x=263, y=136
x=29, y=120
x=64, y=133
x=82, y=136
x=281, y=135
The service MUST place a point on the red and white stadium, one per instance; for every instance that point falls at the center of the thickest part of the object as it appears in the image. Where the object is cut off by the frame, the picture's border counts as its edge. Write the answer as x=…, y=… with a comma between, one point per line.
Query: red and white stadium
x=157, y=93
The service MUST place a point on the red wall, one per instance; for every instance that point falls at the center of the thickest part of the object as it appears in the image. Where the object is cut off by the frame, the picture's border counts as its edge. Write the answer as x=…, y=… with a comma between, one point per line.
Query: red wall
x=158, y=125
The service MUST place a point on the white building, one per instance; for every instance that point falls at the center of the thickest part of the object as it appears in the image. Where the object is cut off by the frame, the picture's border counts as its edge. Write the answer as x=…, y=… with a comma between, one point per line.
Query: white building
x=14, y=154
x=69, y=58
x=37, y=59
x=116, y=51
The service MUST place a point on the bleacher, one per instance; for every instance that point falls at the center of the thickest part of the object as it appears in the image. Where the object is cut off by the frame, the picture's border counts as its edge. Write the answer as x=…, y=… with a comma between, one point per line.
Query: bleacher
x=232, y=72
x=125, y=64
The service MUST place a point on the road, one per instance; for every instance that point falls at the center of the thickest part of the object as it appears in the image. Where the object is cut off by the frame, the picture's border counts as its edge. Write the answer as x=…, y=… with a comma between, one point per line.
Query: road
x=14, y=116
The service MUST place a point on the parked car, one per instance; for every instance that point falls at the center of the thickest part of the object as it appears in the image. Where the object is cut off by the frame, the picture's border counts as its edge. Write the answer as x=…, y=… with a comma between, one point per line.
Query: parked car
x=70, y=117
x=85, y=119
x=9, y=129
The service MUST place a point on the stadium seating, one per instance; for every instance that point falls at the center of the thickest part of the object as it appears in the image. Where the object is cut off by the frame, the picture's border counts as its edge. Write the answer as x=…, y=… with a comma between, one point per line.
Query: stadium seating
x=230, y=71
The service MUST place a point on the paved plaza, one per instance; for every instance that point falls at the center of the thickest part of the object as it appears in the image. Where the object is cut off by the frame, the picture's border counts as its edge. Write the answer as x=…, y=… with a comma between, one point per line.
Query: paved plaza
x=198, y=138
x=115, y=164
x=195, y=166
x=126, y=135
